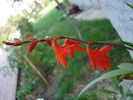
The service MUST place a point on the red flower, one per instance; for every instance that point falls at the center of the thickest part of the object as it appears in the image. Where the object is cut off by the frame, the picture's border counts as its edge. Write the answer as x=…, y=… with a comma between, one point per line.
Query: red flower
x=131, y=74
x=125, y=77
x=98, y=57
x=76, y=47
x=7, y=43
x=29, y=37
x=131, y=78
x=32, y=45
x=48, y=42
x=61, y=52
x=18, y=42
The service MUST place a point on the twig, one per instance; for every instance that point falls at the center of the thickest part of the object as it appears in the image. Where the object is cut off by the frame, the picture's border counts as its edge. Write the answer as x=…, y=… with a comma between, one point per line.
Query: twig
x=34, y=67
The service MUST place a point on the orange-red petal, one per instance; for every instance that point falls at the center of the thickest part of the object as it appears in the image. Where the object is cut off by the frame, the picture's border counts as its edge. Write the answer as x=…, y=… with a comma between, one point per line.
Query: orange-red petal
x=62, y=51
x=7, y=43
x=18, y=43
x=48, y=43
x=105, y=50
x=78, y=48
x=62, y=59
x=98, y=57
x=32, y=45
x=68, y=42
x=29, y=37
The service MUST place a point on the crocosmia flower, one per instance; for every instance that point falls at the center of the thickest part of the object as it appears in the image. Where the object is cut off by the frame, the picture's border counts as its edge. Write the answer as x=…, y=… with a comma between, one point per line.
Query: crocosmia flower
x=131, y=74
x=98, y=57
x=61, y=52
x=29, y=37
x=76, y=48
x=125, y=77
x=18, y=42
x=7, y=43
x=32, y=45
x=68, y=42
x=48, y=42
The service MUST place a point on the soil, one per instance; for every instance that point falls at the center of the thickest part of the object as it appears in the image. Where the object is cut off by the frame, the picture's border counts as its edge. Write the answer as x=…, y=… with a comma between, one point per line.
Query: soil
x=47, y=93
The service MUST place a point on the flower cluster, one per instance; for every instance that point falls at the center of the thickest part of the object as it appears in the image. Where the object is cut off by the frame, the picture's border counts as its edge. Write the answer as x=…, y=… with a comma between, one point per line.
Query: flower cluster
x=98, y=57
x=66, y=49
x=127, y=76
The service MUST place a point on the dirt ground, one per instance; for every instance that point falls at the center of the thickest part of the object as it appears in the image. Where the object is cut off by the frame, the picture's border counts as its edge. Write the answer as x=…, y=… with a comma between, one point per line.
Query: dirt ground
x=48, y=92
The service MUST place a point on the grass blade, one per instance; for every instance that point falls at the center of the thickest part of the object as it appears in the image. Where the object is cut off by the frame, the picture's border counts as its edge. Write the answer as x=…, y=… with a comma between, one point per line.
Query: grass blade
x=127, y=43
x=126, y=66
x=131, y=6
x=106, y=91
x=105, y=76
x=115, y=82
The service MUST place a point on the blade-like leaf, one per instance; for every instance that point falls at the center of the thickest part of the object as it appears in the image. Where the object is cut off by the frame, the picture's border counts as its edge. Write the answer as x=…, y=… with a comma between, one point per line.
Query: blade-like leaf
x=111, y=84
x=108, y=98
x=114, y=98
x=126, y=66
x=129, y=94
x=131, y=6
x=105, y=76
x=121, y=91
x=115, y=82
x=93, y=95
x=106, y=91
x=127, y=43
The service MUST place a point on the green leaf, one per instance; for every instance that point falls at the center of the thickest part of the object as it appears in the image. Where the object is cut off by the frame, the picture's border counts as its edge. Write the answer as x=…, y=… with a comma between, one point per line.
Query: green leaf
x=0, y=69
x=126, y=66
x=105, y=76
x=111, y=84
x=129, y=94
x=93, y=95
x=115, y=82
x=90, y=99
x=106, y=91
x=129, y=5
x=114, y=98
x=127, y=43
x=121, y=91
x=108, y=98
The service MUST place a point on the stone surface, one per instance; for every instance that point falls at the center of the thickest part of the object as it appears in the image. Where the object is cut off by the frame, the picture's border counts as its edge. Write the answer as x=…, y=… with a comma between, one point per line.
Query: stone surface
x=8, y=79
x=8, y=76
x=84, y=4
x=121, y=17
x=95, y=12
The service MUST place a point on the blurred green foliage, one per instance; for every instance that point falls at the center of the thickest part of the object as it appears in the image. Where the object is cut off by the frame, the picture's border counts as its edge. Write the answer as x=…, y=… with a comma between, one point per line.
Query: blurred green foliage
x=3, y=36
x=25, y=26
x=24, y=91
